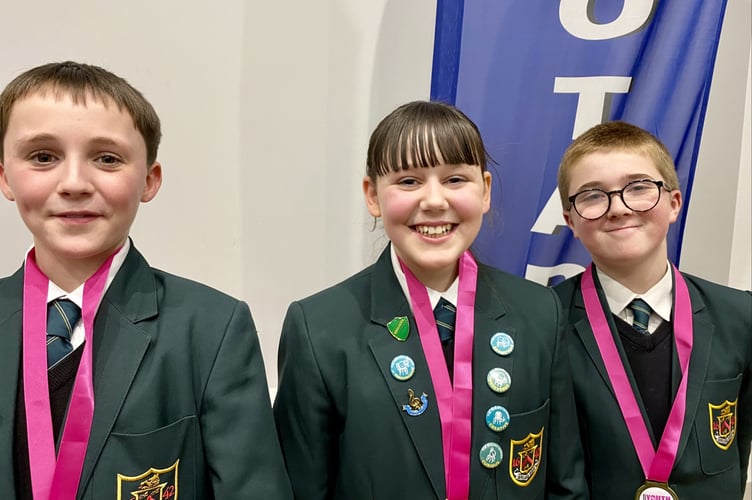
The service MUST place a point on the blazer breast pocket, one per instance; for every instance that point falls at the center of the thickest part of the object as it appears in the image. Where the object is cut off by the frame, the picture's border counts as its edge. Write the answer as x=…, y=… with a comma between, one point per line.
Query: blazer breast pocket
x=525, y=444
x=156, y=464
x=715, y=425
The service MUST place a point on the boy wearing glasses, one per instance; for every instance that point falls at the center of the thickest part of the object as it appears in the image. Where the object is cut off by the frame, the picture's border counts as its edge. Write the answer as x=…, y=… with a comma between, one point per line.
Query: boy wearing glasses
x=662, y=361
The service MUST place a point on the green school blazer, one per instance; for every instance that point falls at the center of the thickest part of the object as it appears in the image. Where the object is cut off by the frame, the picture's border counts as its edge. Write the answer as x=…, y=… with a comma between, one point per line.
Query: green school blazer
x=180, y=392
x=339, y=410
x=708, y=465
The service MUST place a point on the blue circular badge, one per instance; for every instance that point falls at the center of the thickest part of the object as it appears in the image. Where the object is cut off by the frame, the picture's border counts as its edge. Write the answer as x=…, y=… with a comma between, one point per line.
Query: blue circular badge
x=499, y=380
x=402, y=367
x=502, y=344
x=497, y=418
x=491, y=455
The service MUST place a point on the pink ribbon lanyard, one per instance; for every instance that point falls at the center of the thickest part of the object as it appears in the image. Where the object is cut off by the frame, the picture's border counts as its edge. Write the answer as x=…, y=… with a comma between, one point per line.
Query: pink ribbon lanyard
x=51, y=477
x=454, y=403
x=656, y=465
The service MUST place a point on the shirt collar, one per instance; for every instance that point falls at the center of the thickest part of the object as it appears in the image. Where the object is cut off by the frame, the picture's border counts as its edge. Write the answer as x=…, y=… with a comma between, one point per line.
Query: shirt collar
x=77, y=295
x=433, y=295
x=659, y=297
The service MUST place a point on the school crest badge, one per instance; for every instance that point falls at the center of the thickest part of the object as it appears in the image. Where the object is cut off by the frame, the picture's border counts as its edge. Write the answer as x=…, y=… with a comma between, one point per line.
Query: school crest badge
x=525, y=458
x=723, y=423
x=154, y=484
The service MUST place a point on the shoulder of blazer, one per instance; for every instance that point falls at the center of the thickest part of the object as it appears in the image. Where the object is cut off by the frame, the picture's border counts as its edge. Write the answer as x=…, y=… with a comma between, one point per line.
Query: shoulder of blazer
x=377, y=278
x=721, y=299
x=11, y=294
x=139, y=291
x=500, y=292
x=568, y=289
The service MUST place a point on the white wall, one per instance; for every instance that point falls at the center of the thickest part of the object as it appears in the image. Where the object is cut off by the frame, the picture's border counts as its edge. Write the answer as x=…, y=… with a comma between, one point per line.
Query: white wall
x=717, y=243
x=267, y=108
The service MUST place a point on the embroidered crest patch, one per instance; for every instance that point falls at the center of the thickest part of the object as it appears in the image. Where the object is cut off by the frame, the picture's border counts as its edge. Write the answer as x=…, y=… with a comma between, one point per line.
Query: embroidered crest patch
x=154, y=484
x=723, y=423
x=525, y=458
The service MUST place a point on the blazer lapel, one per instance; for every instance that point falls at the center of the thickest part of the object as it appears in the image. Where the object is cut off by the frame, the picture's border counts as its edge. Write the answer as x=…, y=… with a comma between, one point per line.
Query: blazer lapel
x=585, y=332
x=702, y=335
x=578, y=317
x=492, y=315
x=389, y=302
x=11, y=293
x=119, y=346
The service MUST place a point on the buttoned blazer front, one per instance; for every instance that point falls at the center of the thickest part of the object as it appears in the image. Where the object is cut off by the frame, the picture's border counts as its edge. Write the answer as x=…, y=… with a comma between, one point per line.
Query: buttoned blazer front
x=178, y=376
x=719, y=371
x=339, y=411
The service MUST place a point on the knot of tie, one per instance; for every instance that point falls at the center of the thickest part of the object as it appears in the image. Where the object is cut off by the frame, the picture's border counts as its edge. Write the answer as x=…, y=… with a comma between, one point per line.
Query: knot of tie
x=445, y=314
x=62, y=316
x=641, y=315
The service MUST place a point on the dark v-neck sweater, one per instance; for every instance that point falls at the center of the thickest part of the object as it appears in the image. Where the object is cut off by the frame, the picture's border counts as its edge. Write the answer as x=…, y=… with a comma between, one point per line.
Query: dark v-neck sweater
x=61, y=378
x=650, y=358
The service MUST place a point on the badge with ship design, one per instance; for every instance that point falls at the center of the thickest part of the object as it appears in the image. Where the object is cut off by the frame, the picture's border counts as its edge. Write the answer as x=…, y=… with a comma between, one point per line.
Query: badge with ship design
x=525, y=458
x=154, y=484
x=723, y=423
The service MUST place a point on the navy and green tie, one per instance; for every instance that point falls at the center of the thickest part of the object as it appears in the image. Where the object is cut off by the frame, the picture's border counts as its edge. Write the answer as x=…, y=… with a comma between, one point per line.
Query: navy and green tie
x=641, y=315
x=445, y=313
x=62, y=316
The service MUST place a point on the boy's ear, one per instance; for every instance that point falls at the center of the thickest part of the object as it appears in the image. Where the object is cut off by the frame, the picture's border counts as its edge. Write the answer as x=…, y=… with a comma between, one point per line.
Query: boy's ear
x=153, y=182
x=568, y=220
x=4, y=187
x=372, y=199
x=676, y=204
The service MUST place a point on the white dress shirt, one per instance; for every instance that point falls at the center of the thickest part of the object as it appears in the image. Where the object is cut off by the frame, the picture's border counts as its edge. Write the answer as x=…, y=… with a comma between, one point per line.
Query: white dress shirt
x=659, y=298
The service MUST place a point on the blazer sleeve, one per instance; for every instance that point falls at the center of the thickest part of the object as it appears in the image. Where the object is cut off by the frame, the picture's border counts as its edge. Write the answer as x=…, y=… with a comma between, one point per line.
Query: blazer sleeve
x=745, y=397
x=240, y=442
x=304, y=412
x=566, y=466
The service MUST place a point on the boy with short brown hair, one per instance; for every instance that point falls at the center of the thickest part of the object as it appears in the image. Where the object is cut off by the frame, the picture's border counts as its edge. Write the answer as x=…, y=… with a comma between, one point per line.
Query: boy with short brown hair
x=662, y=360
x=145, y=385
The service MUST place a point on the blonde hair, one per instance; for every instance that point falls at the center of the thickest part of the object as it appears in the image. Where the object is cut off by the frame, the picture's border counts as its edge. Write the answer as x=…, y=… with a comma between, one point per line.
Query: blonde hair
x=616, y=136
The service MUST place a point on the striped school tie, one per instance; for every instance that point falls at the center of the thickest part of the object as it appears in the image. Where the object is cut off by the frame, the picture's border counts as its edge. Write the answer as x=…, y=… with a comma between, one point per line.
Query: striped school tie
x=641, y=314
x=62, y=316
x=445, y=314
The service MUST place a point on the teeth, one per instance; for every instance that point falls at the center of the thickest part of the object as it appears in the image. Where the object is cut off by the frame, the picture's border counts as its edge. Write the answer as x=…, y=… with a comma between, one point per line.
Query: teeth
x=434, y=230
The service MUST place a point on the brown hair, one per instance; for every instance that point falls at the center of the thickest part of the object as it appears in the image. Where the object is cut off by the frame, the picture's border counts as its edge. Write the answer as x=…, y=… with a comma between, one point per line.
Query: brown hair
x=616, y=136
x=81, y=82
x=424, y=134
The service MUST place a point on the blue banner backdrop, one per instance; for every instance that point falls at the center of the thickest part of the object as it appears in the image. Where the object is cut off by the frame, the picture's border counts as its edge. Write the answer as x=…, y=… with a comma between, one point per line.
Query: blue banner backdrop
x=534, y=74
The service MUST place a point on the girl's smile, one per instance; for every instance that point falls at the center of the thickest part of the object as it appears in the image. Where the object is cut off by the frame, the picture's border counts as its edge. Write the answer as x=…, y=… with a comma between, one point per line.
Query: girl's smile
x=431, y=215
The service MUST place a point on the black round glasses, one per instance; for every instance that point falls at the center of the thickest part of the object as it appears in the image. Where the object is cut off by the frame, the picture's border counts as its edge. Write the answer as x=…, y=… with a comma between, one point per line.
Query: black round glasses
x=639, y=196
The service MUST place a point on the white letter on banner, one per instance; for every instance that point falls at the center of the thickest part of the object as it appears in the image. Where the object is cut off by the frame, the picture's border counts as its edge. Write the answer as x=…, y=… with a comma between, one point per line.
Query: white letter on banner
x=591, y=108
x=542, y=275
x=576, y=17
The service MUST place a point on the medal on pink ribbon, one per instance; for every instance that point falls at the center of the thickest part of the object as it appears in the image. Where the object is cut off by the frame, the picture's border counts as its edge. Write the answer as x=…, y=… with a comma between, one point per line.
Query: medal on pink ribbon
x=454, y=400
x=56, y=476
x=656, y=464
x=652, y=490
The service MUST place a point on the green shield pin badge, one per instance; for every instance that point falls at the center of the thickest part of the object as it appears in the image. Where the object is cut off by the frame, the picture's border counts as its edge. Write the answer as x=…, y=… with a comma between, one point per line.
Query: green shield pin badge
x=399, y=327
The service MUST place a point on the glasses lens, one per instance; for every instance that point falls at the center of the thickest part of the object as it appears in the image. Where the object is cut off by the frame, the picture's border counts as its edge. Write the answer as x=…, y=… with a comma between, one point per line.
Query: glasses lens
x=640, y=196
x=591, y=204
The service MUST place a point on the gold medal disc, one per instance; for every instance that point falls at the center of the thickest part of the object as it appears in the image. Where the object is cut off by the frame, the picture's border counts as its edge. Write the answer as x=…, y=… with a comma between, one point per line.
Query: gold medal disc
x=653, y=490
